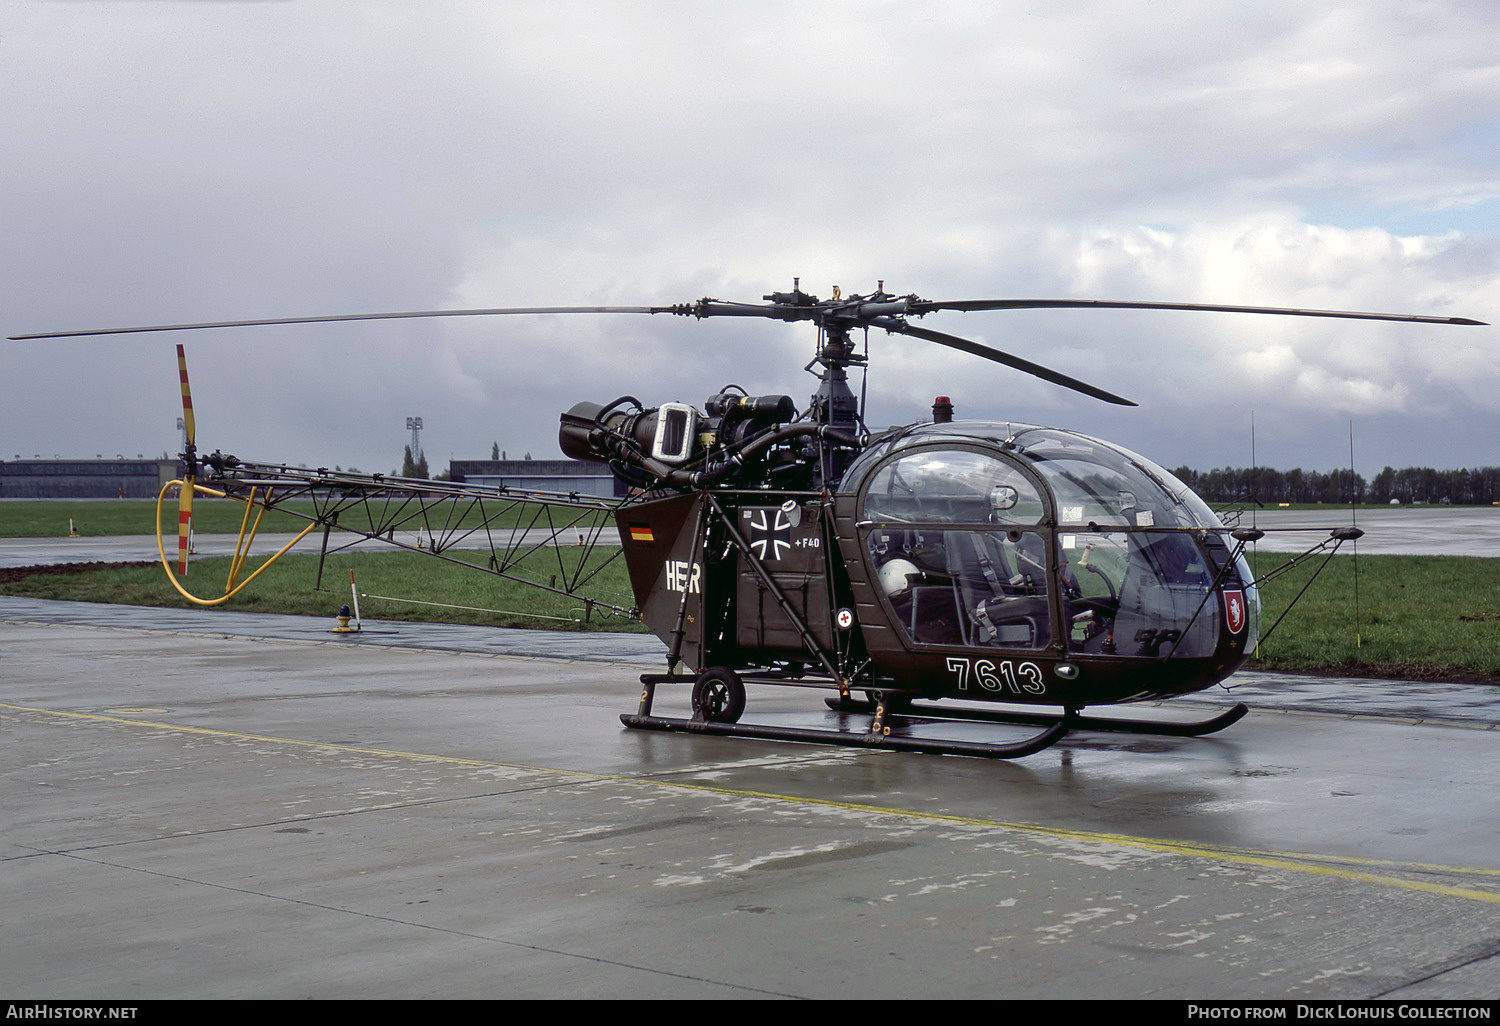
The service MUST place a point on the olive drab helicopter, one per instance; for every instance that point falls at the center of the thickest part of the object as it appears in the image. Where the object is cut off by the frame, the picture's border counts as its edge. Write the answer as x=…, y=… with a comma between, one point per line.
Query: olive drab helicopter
x=984, y=563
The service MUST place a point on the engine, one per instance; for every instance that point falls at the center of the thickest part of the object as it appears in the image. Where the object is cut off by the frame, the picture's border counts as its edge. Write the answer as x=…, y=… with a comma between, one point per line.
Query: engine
x=736, y=438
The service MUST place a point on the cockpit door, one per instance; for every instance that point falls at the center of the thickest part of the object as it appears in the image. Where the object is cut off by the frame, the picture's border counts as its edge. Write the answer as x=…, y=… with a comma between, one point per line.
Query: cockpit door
x=959, y=540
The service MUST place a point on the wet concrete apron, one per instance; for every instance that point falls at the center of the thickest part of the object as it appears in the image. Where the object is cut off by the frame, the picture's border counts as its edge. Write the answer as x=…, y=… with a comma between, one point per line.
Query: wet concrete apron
x=238, y=805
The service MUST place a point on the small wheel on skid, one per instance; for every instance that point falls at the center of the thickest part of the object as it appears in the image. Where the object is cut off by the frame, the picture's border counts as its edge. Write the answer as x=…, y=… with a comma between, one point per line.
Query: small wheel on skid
x=718, y=695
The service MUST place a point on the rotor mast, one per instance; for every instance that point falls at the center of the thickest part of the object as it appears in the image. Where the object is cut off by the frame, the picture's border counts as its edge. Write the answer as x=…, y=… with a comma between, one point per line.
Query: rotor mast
x=834, y=404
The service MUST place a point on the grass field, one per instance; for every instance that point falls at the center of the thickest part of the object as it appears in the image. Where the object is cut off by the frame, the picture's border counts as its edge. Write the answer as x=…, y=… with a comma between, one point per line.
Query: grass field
x=41, y=518
x=44, y=518
x=410, y=586
x=1412, y=617
x=93, y=518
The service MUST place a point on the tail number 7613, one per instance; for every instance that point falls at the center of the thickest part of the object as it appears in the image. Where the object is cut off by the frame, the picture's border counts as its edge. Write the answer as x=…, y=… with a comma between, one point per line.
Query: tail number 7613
x=1020, y=678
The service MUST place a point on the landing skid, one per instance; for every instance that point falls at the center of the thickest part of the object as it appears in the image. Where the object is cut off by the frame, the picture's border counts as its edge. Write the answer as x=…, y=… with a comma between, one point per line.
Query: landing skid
x=875, y=738
x=719, y=699
x=1075, y=720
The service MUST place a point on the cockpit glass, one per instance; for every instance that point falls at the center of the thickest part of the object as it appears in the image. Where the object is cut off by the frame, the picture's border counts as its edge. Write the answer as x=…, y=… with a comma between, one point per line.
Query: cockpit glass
x=952, y=486
x=966, y=552
x=1094, y=482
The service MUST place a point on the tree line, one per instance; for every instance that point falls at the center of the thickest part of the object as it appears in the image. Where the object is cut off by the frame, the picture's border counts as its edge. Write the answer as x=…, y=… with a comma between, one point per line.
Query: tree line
x=1477, y=486
x=413, y=467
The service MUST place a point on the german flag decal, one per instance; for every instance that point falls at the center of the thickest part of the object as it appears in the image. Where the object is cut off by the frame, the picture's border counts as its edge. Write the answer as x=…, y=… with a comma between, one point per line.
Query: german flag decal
x=641, y=533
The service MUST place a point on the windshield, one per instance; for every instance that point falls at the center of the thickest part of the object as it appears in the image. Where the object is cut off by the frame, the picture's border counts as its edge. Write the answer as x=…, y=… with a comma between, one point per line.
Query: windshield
x=1095, y=482
x=966, y=552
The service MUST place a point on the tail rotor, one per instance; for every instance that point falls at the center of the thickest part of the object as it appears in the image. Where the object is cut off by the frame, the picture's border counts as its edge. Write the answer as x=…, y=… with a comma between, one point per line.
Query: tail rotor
x=190, y=458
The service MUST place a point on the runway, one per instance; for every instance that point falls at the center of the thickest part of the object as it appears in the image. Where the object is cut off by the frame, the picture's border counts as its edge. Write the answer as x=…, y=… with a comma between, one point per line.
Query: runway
x=124, y=548
x=1389, y=530
x=1407, y=530
x=231, y=805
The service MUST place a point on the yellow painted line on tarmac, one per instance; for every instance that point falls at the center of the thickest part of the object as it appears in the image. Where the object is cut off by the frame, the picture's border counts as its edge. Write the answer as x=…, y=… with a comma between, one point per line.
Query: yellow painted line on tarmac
x=1295, y=862
x=1241, y=856
x=273, y=739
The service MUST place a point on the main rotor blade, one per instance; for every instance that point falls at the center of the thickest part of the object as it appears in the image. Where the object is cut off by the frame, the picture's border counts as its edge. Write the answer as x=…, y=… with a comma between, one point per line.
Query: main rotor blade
x=403, y=315
x=852, y=313
x=975, y=349
x=923, y=306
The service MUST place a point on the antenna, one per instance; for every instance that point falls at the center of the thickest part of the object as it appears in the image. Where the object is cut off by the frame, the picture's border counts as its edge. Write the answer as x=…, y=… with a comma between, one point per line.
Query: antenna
x=1353, y=522
x=1254, y=473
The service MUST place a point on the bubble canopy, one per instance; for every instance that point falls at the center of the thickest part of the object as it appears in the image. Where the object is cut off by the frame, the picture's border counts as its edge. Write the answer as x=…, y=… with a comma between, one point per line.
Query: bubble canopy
x=1086, y=480
x=1030, y=538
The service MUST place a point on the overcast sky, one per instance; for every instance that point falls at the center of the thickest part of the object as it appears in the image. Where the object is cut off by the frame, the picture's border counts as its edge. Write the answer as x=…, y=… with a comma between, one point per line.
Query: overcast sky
x=174, y=162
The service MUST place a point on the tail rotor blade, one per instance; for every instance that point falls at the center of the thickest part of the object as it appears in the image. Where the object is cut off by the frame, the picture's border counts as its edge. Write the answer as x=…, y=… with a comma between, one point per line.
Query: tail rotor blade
x=184, y=523
x=187, y=399
x=190, y=457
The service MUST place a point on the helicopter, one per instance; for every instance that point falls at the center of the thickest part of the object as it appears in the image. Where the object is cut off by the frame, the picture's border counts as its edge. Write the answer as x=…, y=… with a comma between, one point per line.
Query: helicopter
x=981, y=564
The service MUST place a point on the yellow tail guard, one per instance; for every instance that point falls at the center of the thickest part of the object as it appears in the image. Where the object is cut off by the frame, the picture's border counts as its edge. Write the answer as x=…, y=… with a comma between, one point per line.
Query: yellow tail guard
x=233, y=586
x=185, y=489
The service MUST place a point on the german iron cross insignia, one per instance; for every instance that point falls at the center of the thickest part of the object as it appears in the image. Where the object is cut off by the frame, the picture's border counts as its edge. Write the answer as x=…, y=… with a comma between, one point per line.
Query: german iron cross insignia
x=770, y=532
